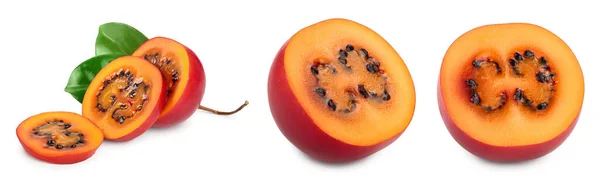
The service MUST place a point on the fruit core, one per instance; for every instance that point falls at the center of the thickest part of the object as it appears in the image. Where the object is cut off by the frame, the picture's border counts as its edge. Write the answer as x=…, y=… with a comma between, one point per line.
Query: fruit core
x=525, y=79
x=58, y=134
x=354, y=76
x=122, y=96
x=168, y=65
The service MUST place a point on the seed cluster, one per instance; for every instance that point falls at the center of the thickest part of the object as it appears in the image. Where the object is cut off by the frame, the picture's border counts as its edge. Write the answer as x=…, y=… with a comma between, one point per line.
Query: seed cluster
x=58, y=134
x=370, y=65
x=543, y=75
x=472, y=84
x=168, y=68
x=131, y=97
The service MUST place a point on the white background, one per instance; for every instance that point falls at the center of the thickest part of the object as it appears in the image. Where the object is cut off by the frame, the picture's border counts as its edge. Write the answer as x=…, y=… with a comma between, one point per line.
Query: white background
x=41, y=42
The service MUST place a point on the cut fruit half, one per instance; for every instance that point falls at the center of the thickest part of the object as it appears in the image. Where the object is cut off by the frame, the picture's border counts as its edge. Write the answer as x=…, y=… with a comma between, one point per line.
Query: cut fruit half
x=125, y=98
x=510, y=92
x=183, y=74
x=339, y=91
x=59, y=137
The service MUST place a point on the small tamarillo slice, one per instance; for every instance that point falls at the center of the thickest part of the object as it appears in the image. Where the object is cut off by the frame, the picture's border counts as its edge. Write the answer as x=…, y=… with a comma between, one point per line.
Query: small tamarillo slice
x=184, y=77
x=339, y=92
x=510, y=92
x=59, y=137
x=125, y=98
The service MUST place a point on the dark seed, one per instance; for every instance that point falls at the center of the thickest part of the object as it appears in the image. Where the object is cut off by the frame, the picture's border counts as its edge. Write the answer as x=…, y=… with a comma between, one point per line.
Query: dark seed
x=475, y=99
x=541, y=77
x=146, y=88
x=123, y=106
x=168, y=61
x=527, y=101
x=552, y=75
x=518, y=56
x=543, y=61
x=518, y=94
x=377, y=64
x=113, y=98
x=343, y=53
x=498, y=69
x=476, y=63
x=542, y=106
x=106, y=82
x=139, y=107
x=528, y=53
x=59, y=147
x=513, y=62
x=127, y=73
x=364, y=52
x=386, y=96
x=121, y=73
x=488, y=108
x=331, y=105
x=80, y=141
x=73, y=145
x=342, y=60
x=363, y=91
x=80, y=135
x=36, y=132
x=67, y=126
x=314, y=70
x=371, y=68
x=67, y=133
x=132, y=94
x=321, y=92
x=121, y=119
x=51, y=142
x=349, y=47
x=471, y=83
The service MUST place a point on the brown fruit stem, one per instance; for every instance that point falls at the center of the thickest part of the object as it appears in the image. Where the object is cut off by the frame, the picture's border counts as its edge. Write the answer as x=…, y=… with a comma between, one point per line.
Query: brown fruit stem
x=222, y=112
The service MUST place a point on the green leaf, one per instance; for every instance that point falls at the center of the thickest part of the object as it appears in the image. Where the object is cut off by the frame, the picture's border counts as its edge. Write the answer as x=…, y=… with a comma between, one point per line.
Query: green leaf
x=118, y=38
x=84, y=73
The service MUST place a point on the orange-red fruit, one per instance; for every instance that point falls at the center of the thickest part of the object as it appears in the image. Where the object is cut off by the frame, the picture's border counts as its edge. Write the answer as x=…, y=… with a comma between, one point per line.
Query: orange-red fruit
x=59, y=137
x=125, y=98
x=510, y=92
x=183, y=74
x=340, y=109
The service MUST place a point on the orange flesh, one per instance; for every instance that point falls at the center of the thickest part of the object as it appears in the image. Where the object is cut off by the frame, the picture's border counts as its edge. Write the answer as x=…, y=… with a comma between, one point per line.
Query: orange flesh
x=92, y=136
x=166, y=49
x=125, y=105
x=372, y=120
x=514, y=124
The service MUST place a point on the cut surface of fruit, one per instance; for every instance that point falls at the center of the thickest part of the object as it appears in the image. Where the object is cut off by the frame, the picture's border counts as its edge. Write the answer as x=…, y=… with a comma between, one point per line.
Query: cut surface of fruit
x=183, y=74
x=339, y=92
x=511, y=85
x=59, y=137
x=350, y=81
x=125, y=98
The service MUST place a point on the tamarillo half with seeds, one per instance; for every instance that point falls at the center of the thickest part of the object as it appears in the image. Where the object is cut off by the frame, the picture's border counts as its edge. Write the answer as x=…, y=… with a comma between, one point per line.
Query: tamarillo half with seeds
x=510, y=92
x=125, y=98
x=59, y=137
x=184, y=77
x=339, y=92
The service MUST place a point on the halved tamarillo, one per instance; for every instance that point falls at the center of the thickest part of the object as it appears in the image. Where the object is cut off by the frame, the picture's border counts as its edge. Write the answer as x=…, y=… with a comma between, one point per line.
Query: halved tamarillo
x=339, y=92
x=184, y=79
x=59, y=137
x=125, y=98
x=510, y=92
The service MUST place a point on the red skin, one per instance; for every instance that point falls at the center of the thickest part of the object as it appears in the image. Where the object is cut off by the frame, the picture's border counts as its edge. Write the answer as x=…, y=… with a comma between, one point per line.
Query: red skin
x=192, y=95
x=296, y=125
x=64, y=159
x=497, y=153
x=148, y=122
